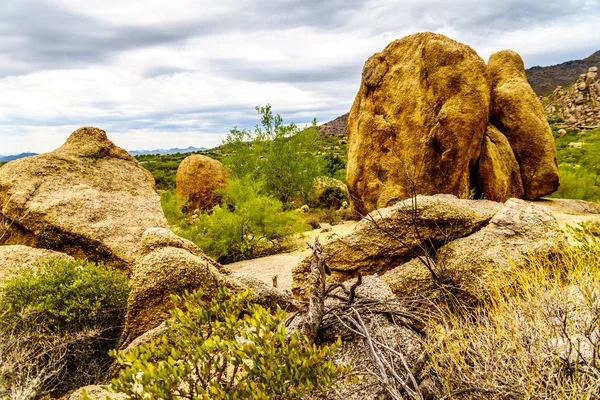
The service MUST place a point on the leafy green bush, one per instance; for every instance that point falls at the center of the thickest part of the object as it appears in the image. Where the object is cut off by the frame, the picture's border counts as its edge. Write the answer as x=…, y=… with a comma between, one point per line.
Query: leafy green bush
x=244, y=223
x=227, y=348
x=285, y=158
x=66, y=295
x=57, y=325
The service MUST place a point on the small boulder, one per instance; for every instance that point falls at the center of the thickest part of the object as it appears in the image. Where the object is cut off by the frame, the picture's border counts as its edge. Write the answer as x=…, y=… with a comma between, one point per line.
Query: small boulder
x=330, y=192
x=95, y=392
x=419, y=117
x=89, y=199
x=519, y=115
x=198, y=179
x=376, y=244
x=499, y=175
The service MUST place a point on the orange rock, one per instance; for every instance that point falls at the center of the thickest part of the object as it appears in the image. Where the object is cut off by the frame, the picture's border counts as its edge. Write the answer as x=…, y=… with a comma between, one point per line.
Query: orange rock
x=198, y=179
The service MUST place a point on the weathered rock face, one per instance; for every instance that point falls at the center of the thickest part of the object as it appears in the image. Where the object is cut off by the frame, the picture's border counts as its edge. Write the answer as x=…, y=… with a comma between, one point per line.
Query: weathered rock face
x=498, y=173
x=89, y=198
x=375, y=245
x=167, y=264
x=422, y=109
x=517, y=231
x=519, y=115
x=198, y=179
x=13, y=258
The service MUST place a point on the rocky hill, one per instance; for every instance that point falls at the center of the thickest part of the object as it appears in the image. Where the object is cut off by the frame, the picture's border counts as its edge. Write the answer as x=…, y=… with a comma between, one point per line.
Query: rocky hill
x=335, y=128
x=544, y=80
x=577, y=105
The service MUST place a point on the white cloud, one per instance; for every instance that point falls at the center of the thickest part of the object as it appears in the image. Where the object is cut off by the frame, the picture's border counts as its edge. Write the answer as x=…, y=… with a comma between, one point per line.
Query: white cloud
x=157, y=75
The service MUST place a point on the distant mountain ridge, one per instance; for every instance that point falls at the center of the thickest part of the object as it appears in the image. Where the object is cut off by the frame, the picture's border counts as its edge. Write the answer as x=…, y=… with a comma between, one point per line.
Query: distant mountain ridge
x=16, y=156
x=132, y=152
x=544, y=80
x=166, y=151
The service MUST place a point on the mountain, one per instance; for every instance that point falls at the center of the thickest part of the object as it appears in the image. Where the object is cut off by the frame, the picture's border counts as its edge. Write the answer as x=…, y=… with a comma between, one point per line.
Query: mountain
x=336, y=128
x=16, y=156
x=166, y=151
x=544, y=80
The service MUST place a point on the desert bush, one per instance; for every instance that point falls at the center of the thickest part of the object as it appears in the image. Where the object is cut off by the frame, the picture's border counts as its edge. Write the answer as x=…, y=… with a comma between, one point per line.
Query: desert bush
x=245, y=222
x=537, y=336
x=227, y=348
x=284, y=157
x=172, y=208
x=58, y=324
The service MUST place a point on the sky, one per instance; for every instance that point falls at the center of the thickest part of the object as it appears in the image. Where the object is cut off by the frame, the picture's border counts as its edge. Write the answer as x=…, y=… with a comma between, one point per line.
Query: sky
x=162, y=74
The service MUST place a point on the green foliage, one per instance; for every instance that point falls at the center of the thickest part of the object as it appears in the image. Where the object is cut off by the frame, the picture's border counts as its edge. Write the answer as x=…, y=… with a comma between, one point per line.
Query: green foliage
x=246, y=221
x=579, y=168
x=2, y=163
x=57, y=325
x=283, y=157
x=227, y=348
x=66, y=296
x=171, y=208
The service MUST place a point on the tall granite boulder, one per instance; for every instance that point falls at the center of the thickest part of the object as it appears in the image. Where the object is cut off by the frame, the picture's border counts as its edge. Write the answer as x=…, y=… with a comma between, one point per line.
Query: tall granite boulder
x=89, y=198
x=498, y=172
x=391, y=236
x=420, y=113
x=198, y=179
x=518, y=114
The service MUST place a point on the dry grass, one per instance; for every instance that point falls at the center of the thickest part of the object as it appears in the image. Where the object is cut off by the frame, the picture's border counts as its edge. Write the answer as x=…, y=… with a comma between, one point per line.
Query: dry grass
x=537, y=336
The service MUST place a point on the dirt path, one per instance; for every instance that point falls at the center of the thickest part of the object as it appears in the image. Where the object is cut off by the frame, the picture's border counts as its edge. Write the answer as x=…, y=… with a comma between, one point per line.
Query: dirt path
x=265, y=268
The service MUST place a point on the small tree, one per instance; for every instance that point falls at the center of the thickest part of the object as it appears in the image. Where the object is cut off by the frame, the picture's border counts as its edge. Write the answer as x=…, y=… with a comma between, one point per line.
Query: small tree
x=282, y=156
x=227, y=348
x=245, y=222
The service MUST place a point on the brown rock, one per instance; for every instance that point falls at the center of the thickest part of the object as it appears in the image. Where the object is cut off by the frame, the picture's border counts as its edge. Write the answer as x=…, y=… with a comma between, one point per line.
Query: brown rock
x=518, y=114
x=89, y=198
x=421, y=110
x=517, y=231
x=95, y=392
x=375, y=244
x=499, y=176
x=17, y=257
x=198, y=179
x=167, y=264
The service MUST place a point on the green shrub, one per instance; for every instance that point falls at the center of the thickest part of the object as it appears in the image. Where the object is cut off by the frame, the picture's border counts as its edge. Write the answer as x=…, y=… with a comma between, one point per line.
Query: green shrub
x=227, y=348
x=171, y=208
x=67, y=295
x=247, y=221
x=285, y=158
x=57, y=325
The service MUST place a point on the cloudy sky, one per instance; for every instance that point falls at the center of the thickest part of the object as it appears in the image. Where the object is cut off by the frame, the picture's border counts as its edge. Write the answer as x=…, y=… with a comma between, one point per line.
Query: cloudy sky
x=178, y=73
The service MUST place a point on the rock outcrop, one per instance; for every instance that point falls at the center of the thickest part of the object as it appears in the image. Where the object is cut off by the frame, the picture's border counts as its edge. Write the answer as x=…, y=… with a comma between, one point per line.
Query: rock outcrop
x=498, y=172
x=16, y=257
x=418, y=124
x=518, y=114
x=166, y=264
x=577, y=105
x=198, y=179
x=89, y=199
x=330, y=192
x=391, y=236
x=421, y=112
x=520, y=229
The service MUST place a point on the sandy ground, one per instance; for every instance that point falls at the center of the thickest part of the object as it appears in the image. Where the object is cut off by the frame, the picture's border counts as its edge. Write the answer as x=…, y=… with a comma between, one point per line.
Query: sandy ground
x=567, y=213
x=265, y=268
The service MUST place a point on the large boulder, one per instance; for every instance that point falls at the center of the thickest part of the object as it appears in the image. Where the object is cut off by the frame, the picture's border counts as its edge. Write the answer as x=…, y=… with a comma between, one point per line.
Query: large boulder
x=166, y=265
x=330, y=192
x=16, y=257
x=518, y=114
x=198, y=179
x=498, y=173
x=391, y=236
x=519, y=230
x=89, y=198
x=418, y=119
